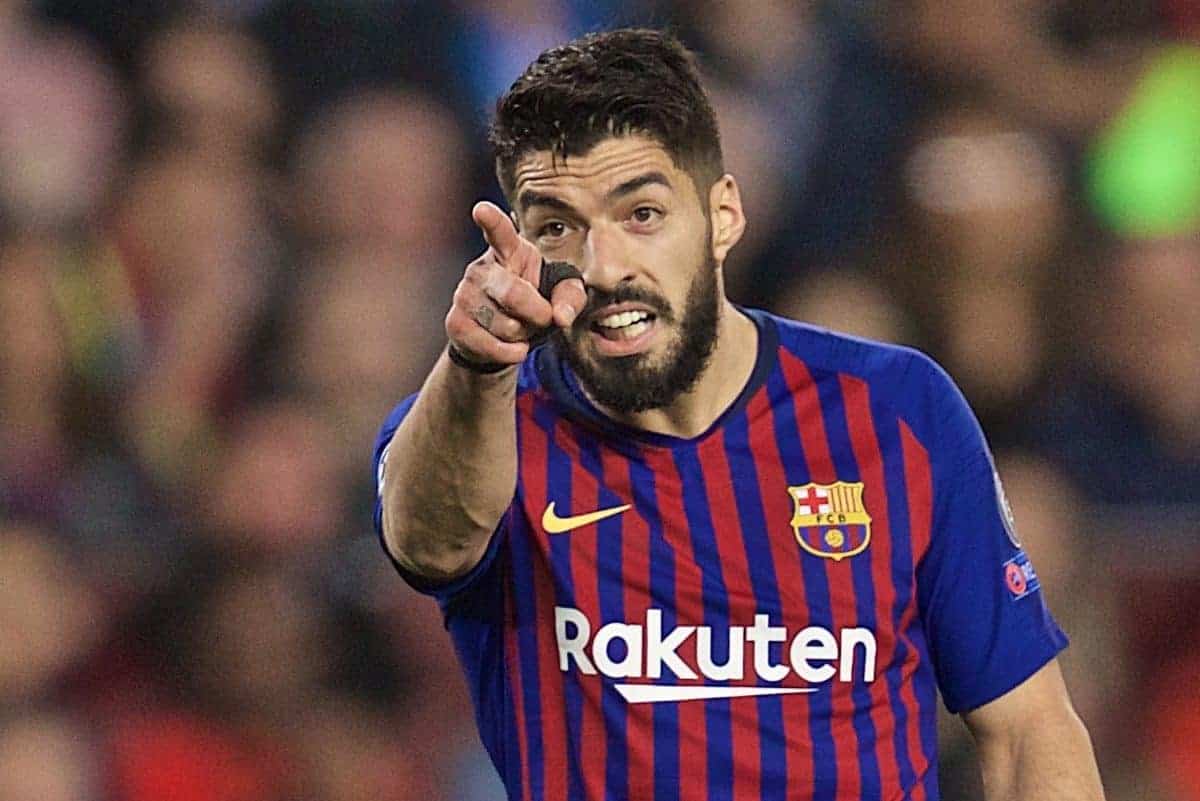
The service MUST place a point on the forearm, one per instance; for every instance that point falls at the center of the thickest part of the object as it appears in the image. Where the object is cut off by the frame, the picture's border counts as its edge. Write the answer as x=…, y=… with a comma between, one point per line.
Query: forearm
x=451, y=470
x=1048, y=758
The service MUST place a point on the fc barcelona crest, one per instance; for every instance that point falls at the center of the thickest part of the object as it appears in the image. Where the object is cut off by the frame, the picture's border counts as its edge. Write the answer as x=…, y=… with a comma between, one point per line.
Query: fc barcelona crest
x=830, y=520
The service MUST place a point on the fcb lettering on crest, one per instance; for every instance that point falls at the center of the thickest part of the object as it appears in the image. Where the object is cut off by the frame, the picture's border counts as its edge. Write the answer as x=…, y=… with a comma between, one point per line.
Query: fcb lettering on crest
x=830, y=520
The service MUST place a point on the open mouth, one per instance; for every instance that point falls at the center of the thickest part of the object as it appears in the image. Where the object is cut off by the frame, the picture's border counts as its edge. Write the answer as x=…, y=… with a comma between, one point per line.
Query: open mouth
x=625, y=325
x=623, y=329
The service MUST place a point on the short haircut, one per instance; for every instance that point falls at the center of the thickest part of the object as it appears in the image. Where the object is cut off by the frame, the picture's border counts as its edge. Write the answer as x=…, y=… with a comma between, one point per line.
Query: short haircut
x=614, y=83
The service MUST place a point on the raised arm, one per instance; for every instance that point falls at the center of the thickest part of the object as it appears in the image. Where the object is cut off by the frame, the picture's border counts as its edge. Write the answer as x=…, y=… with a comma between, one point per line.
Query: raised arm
x=1033, y=745
x=451, y=466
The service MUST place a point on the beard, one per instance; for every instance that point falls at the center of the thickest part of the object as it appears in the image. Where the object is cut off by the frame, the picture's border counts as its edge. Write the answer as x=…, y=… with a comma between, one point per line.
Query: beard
x=639, y=382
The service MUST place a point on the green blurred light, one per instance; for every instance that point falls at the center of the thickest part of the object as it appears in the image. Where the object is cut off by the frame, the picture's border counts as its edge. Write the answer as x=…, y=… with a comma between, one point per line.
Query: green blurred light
x=1144, y=168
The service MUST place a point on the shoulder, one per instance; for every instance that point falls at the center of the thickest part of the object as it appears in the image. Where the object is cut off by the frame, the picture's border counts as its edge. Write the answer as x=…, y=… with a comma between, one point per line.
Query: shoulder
x=900, y=379
x=900, y=371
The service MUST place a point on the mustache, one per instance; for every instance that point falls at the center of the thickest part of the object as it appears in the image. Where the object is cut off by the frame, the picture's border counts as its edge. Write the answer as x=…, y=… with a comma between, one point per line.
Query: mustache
x=599, y=298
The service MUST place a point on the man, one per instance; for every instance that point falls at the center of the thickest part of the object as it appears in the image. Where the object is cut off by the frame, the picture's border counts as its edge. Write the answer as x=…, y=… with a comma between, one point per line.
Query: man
x=687, y=550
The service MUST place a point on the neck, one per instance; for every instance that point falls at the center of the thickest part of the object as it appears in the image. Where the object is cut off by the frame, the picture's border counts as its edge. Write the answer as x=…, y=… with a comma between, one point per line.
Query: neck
x=728, y=370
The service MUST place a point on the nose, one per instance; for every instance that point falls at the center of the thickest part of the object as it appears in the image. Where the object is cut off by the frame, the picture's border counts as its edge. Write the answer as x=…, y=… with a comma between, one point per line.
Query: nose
x=605, y=261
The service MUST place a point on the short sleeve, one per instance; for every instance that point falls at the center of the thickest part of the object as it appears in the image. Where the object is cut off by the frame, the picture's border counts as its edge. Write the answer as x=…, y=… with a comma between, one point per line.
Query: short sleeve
x=980, y=599
x=442, y=591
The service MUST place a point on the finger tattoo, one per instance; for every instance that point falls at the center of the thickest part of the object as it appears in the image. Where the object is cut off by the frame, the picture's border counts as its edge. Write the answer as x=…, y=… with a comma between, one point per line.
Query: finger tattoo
x=484, y=316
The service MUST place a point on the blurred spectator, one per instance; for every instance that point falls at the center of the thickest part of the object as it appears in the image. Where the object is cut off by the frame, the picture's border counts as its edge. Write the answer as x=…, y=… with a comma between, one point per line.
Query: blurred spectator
x=324, y=50
x=187, y=758
x=50, y=619
x=1175, y=730
x=1129, y=432
x=47, y=756
x=499, y=39
x=384, y=170
x=1011, y=52
x=211, y=92
x=61, y=125
x=847, y=300
x=754, y=146
x=201, y=252
x=274, y=489
x=1185, y=17
x=241, y=657
x=260, y=647
x=811, y=113
x=34, y=445
x=987, y=200
x=418, y=636
x=352, y=752
x=363, y=328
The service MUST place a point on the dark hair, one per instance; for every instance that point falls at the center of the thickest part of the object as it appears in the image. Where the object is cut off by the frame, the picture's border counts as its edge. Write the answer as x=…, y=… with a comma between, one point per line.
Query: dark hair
x=615, y=83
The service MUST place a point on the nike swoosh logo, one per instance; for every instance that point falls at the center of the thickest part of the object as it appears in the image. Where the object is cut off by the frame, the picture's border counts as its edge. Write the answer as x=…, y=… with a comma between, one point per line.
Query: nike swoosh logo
x=553, y=524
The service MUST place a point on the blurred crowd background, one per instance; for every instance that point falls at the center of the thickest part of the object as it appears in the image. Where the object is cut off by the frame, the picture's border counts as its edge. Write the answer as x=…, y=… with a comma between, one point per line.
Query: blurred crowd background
x=229, y=230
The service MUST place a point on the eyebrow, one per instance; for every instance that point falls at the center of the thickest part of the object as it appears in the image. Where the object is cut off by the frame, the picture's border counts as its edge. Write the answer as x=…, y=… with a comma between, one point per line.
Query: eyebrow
x=634, y=184
x=530, y=198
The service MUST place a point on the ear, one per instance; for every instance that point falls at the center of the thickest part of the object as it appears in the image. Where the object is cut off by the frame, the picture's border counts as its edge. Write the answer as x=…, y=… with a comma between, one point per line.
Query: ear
x=725, y=213
x=516, y=220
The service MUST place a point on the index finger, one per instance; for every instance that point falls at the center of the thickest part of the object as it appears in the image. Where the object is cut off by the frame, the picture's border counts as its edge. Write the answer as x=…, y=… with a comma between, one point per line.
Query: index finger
x=497, y=229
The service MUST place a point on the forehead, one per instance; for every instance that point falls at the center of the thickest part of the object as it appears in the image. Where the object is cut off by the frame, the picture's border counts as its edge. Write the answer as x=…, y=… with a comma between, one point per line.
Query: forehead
x=607, y=165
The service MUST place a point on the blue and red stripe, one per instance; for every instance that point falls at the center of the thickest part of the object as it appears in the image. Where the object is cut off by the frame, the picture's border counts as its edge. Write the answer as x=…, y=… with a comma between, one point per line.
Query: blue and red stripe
x=631, y=774
x=876, y=574
x=516, y=776
x=743, y=602
x=579, y=582
x=818, y=413
x=646, y=494
x=714, y=603
x=691, y=735
x=554, y=585
x=607, y=552
x=828, y=755
x=921, y=691
x=766, y=459
x=530, y=624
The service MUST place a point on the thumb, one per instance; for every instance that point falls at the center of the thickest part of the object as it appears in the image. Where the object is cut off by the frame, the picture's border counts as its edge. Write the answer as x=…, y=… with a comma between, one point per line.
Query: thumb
x=568, y=299
x=561, y=283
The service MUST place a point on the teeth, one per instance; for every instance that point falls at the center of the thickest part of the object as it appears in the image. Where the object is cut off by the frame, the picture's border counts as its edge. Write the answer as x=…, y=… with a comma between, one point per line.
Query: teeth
x=635, y=330
x=623, y=319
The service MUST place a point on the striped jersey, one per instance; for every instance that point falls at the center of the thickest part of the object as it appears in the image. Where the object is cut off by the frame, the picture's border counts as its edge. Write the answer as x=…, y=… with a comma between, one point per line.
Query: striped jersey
x=763, y=612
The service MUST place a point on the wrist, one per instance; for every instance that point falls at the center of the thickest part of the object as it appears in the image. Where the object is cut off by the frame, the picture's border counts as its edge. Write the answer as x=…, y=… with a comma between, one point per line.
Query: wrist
x=464, y=361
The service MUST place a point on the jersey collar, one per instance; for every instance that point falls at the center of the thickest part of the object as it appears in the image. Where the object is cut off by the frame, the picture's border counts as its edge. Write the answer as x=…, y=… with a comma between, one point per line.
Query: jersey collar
x=563, y=387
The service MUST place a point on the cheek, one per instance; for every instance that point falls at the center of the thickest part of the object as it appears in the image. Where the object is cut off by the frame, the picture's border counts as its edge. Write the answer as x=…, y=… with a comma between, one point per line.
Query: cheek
x=679, y=259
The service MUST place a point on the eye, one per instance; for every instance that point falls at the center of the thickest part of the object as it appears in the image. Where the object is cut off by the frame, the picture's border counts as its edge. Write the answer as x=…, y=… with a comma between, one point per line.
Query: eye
x=552, y=230
x=646, y=214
